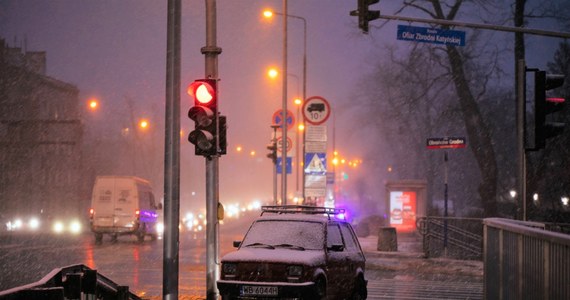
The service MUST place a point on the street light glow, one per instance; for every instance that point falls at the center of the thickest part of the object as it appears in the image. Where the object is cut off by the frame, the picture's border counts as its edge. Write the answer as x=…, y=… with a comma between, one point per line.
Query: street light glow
x=272, y=73
x=268, y=13
x=143, y=124
x=297, y=101
x=93, y=104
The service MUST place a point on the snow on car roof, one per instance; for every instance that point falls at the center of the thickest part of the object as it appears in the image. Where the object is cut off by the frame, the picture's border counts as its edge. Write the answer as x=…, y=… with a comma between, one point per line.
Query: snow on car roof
x=295, y=217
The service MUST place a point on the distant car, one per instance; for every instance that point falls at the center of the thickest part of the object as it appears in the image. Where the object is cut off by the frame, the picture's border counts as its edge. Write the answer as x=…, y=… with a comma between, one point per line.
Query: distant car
x=295, y=252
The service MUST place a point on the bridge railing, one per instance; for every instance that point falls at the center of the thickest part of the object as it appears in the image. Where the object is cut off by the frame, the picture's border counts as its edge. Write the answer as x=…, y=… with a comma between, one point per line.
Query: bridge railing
x=72, y=282
x=524, y=260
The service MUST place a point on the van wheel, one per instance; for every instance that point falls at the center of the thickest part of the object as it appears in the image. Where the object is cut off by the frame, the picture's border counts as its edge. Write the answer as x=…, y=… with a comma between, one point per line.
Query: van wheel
x=141, y=233
x=98, y=238
x=114, y=238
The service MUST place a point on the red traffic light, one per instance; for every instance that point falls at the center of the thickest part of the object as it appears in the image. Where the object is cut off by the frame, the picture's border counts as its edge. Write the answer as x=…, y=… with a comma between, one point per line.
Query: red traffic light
x=202, y=91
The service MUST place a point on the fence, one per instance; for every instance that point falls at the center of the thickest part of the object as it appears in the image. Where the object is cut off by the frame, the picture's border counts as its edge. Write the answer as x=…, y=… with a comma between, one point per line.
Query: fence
x=464, y=237
x=523, y=260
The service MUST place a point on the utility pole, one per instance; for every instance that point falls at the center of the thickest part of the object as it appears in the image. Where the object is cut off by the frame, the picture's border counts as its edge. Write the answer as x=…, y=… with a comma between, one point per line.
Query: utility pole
x=172, y=155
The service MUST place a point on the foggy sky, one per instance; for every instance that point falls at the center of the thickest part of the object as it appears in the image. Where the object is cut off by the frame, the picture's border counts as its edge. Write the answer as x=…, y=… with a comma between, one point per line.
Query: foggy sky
x=117, y=49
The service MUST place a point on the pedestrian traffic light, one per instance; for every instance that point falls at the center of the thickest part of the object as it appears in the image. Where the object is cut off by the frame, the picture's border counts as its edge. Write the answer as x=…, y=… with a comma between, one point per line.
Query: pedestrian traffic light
x=273, y=154
x=545, y=104
x=365, y=14
x=204, y=113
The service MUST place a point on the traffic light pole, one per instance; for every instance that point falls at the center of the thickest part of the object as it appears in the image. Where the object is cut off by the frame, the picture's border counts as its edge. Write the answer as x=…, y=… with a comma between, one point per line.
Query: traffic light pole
x=274, y=154
x=211, y=52
x=521, y=120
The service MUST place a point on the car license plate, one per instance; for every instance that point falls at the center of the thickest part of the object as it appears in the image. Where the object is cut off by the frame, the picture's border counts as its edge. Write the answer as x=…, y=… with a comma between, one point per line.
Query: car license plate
x=248, y=290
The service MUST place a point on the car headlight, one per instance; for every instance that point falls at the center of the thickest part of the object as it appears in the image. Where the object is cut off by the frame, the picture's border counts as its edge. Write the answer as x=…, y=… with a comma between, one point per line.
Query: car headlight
x=75, y=227
x=34, y=224
x=229, y=268
x=58, y=227
x=295, y=271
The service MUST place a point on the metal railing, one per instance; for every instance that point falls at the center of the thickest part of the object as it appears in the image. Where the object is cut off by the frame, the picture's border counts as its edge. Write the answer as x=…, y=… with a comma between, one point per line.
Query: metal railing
x=464, y=237
x=72, y=282
x=523, y=260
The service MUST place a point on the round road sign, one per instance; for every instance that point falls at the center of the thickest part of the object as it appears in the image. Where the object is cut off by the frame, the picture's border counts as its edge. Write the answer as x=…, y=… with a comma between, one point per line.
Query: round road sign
x=316, y=110
x=277, y=119
x=289, y=145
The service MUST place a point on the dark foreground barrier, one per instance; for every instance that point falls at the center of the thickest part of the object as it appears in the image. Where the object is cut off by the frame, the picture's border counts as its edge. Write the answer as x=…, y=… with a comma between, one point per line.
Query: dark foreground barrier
x=524, y=260
x=72, y=282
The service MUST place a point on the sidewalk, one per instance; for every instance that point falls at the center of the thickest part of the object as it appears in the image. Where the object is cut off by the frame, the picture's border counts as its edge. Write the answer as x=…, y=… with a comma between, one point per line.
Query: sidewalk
x=410, y=257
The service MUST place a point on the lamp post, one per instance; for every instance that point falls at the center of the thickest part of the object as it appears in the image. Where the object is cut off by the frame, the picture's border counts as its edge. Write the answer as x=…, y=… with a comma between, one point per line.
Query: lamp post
x=269, y=14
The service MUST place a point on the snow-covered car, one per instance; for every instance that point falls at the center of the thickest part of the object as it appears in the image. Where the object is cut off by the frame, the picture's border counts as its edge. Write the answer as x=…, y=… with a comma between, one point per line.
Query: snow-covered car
x=295, y=252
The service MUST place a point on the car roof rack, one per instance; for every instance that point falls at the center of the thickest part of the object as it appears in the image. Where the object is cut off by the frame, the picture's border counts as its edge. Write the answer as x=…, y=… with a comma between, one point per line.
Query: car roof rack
x=301, y=209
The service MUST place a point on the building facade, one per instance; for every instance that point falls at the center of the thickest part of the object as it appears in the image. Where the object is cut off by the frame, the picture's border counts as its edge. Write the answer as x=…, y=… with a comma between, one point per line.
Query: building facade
x=40, y=139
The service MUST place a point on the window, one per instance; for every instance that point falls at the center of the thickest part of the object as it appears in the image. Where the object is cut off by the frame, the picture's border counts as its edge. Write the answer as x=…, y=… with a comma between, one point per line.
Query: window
x=308, y=235
x=333, y=237
x=349, y=241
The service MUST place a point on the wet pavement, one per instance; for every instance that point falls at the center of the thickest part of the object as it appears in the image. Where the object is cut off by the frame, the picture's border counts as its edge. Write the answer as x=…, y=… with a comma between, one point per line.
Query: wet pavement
x=409, y=257
x=406, y=274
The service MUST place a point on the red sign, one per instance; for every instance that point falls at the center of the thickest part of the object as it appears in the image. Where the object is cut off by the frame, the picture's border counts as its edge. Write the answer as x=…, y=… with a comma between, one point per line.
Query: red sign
x=289, y=145
x=316, y=110
x=277, y=119
x=446, y=143
x=403, y=210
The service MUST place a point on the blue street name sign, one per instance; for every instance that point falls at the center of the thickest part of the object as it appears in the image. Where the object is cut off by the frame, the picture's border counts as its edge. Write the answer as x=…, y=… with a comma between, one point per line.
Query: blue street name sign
x=431, y=35
x=288, y=167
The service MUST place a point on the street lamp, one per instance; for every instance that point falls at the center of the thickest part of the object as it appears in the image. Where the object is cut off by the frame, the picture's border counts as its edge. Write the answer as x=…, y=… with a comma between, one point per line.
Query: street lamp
x=143, y=124
x=268, y=14
x=93, y=104
x=272, y=73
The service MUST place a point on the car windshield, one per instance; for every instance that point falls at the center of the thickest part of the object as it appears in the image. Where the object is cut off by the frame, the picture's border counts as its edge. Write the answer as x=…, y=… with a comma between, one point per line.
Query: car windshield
x=304, y=234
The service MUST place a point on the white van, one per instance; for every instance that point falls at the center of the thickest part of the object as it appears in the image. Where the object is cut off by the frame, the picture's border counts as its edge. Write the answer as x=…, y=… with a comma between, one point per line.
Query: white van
x=123, y=205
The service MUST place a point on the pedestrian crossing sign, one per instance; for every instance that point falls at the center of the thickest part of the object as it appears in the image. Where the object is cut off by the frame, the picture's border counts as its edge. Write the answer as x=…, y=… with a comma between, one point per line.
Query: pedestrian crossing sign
x=315, y=163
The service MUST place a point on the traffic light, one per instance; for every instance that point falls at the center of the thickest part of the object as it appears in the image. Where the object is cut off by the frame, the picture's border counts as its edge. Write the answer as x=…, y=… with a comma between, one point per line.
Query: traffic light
x=273, y=154
x=204, y=113
x=365, y=14
x=222, y=140
x=545, y=105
